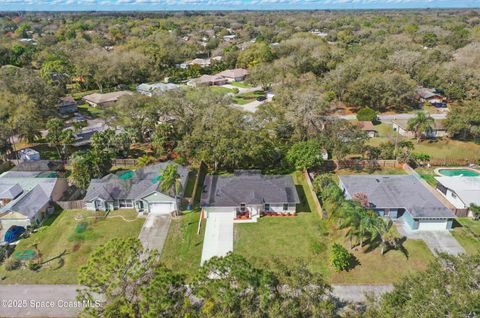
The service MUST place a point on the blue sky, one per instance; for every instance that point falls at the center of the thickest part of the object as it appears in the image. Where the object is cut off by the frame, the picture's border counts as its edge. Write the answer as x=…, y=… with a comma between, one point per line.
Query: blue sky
x=158, y=5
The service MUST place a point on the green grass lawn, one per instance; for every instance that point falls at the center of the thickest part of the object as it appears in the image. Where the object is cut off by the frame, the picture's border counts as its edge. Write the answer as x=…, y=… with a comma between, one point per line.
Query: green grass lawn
x=443, y=148
x=183, y=248
x=87, y=110
x=241, y=84
x=468, y=234
x=58, y=236
x=427, y=175
x=245, y=98
x=307, y=238
x=380, y=171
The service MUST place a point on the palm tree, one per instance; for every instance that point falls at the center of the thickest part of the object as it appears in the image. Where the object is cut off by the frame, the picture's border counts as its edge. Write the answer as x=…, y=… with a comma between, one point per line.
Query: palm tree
x=420, y=124
x=351, y=219
x=385, y=230
x=171, y=183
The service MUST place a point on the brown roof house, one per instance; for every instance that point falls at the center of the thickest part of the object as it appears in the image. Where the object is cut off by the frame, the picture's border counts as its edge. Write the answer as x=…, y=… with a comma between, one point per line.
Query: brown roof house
x=207, y=80
x=104, y=100
x=367, y=127
x=431, y=96
x=401, y=125
x=235, y=75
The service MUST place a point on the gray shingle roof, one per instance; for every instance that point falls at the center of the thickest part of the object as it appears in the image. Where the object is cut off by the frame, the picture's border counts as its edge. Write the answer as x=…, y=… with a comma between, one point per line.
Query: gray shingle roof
x=248, y=188
x=143, y=182
x=397, y=191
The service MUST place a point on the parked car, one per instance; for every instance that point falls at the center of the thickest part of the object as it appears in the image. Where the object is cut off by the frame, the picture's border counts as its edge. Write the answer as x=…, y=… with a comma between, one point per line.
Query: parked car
x=261, y=98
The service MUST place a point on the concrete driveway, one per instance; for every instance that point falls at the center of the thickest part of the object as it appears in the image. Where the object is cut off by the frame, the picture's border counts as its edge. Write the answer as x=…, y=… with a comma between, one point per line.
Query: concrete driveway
x=218, y=239
x=357, y=293
x=437, y=241
x=154, y=231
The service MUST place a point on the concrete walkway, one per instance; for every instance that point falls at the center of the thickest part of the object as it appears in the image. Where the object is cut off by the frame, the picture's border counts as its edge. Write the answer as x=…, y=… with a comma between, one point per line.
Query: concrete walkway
x=218, y=239
x=154, y=231
x=437, y=241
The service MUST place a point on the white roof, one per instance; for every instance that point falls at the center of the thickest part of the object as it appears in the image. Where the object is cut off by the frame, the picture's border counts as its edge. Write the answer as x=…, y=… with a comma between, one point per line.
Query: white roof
x=467, y=188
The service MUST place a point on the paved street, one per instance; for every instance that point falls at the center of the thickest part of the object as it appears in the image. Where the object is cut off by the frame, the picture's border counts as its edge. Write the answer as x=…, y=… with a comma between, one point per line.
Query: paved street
x=39, y=301
x=154, y=231
x=389, y=118
x=60, y=300
x=357, y=293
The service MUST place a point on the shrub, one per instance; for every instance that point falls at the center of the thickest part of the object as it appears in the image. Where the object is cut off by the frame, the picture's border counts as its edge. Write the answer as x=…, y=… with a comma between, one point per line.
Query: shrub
x=340, y=257
x=3, y=253
x=367, y=114
x=12, y=264
x=33, y=266
x=81, y=227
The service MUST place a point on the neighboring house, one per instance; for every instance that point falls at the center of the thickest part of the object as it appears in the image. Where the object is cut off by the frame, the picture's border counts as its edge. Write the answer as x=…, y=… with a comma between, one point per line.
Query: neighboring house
x=28, y=154
x=67, y=105
x=228, y=38
x=400, y=196
x=249, y=192
x=103, y=100
x=460, y=191
x=155, y=89
x=26, y=196
x=200, y=62
x=431, y=96
x=84, y=136
x=401, y=125
x=207, y=80
x=139, y=189
x=367, y=127
x=235, y=75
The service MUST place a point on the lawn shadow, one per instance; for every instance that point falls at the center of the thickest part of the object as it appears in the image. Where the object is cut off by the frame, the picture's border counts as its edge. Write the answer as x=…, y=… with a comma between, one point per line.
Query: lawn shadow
x=303, y=206
x=456, y=224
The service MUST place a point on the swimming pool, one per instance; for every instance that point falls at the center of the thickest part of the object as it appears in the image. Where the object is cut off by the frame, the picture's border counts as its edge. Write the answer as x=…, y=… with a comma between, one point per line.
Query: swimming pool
x=458, y=172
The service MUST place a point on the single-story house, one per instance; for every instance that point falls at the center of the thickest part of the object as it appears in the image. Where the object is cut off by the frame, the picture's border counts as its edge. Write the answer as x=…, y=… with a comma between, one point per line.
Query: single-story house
x=207, y=80
x=431, y=96
x=367, y=127
x=249, y=192
x=139, y=189
x=155, y=89
x=400, y=196
x=401, y=125
x=103, y=100
x=235, y=75
x=26, y=196
x=460, y=191
x=67, y=105
x=28, y=154
x=83, y=137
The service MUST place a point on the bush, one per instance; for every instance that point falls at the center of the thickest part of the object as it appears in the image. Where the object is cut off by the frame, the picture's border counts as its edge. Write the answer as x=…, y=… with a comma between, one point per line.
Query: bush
x=340, y=257
x=81, y=227
x=367, y=114
x=12, y=264
x=3, y=253
x=33, y=266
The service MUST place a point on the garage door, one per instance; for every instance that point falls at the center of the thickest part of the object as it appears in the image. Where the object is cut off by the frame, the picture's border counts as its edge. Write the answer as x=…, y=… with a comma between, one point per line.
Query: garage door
x=161, y=208
x=432, y=225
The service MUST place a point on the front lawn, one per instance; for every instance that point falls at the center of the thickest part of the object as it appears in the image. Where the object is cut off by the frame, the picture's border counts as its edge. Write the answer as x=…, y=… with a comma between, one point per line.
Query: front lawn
x=67, y=248
x=89, y=111
x=245, y=98
x=307, y=238
x=183, y=248
x=468, y=234
x=240, y=84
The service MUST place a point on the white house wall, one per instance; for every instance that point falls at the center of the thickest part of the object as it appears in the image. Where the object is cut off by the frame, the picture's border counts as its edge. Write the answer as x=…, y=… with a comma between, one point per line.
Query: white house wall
x=454, y=199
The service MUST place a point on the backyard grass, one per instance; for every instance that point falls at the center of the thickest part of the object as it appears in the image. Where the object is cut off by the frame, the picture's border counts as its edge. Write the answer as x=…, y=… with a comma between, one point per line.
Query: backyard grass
x=427, y=175
x=58, y=237
x=379, y=171
x=87, y=110
x=443, y=148
x=307, y=238
x=183, y=248
x=468, y=234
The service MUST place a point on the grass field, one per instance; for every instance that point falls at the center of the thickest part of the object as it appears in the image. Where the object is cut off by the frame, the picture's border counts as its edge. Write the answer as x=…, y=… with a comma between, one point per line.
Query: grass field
x=468, y=235
x=87, y=110
x=245, y=98
x=240, y=84
x=444, y=148
x=307, y=239
x=59, y=237
x=183, y=248
x=427, y=175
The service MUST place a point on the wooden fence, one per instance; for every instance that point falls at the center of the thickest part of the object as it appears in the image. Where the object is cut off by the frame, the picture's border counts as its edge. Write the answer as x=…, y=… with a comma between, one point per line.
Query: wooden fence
x=71, y=205
x=124, y=162
x=313, y=193
x=436, y=162
x=330, y=165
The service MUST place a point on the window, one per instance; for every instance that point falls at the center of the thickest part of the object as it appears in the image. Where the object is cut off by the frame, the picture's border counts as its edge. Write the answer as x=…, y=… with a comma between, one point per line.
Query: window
x=267, y=207
x=454, y=195
x=122, y=203
x=285, y=207
x=129, y=203
x=242, y=207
